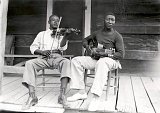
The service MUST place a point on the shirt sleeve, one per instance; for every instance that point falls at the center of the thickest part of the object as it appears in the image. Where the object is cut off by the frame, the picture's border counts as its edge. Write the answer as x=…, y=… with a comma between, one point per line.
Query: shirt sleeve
x=119, y=52
x=86, y=40
x=64, y=47
x=36, y=43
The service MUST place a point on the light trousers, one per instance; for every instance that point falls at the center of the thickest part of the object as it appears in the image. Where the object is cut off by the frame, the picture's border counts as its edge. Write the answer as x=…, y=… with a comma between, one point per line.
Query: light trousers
x=101, y=66
x=34, y=65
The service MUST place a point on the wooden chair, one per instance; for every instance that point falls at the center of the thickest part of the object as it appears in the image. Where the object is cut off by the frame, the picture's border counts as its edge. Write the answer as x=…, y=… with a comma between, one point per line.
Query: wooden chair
x=44, y=75
x=110, y=76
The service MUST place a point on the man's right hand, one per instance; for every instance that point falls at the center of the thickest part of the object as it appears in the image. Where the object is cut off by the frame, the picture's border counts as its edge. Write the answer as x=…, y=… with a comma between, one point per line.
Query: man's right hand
x=94, y=51
x=88, y=51
x=94, y=54
x=46, y=53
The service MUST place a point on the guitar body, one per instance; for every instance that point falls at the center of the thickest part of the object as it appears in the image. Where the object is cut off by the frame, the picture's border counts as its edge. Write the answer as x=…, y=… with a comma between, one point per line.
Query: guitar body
x=93, y=44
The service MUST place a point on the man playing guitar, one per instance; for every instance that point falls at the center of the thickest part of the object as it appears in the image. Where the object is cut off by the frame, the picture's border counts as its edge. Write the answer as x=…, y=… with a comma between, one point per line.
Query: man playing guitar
x=100, y=57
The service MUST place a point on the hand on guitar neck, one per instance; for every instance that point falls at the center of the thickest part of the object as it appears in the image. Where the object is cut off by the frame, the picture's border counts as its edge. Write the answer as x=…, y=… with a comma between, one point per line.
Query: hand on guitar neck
x=109, y=52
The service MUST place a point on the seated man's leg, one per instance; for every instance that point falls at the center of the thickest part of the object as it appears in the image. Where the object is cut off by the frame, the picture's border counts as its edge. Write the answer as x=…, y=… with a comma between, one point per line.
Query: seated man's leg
x=64, y=68
x=103, y=66
x=78, y=65
x=29, y=79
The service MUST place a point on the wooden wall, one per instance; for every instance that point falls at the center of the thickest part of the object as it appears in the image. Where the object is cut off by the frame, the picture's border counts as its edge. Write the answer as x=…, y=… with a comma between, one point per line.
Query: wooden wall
x=28, y=17
x=138, y=22
x=25, y=19
x=72, y=13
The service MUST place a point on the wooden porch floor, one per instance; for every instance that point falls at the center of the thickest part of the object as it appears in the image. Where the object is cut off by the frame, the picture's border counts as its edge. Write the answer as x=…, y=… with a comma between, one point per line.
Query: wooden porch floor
x=138, y=93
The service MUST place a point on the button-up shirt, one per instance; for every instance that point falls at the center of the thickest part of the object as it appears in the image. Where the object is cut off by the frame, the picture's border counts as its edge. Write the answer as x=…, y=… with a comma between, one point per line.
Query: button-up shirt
x=44, y=41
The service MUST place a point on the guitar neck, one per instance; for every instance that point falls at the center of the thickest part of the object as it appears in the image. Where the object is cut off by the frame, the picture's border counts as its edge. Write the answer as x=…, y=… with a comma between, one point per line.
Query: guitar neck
x=108, y=51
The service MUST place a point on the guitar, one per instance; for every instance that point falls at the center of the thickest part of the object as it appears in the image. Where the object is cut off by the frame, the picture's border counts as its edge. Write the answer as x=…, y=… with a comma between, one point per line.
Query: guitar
x=94, y=46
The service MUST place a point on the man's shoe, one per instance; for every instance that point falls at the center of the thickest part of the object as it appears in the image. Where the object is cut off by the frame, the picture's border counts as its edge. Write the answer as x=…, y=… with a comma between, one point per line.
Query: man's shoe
x=93, y=106
x=77, y=96
x=30, y=102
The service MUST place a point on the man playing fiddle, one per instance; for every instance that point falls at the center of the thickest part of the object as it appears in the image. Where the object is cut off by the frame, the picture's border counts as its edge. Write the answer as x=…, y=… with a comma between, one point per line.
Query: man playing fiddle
x=100, y=58
x=48, y=45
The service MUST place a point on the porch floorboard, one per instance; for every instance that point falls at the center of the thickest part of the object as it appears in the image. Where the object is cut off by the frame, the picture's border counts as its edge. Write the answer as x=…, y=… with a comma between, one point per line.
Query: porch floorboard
x=138, y=93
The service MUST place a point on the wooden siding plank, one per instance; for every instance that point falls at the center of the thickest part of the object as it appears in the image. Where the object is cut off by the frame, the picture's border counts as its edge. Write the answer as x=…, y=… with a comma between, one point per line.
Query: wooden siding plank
x=142, y=102
x=18, y=24
x=153, y=92
x=138, y=29
x=126, y=102
x=13, y=69
x=25, y=56
x=31, y=56
x=141, y=42
x=141, y=55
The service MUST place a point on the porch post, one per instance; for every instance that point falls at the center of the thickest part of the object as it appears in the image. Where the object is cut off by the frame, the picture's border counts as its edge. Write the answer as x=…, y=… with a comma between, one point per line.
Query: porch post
x=49, y=11
x=87, y=25
x=3, y=26
x=87, y=28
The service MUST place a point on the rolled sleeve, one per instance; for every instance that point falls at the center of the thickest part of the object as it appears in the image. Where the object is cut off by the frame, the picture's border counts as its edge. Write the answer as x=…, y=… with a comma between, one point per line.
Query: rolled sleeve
x=36, y=43
x=64, y=47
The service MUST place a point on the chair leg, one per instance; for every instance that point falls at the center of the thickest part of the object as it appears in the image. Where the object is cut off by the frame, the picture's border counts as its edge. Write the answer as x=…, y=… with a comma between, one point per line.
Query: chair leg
x=108, y=84
x=43, y=78
x=116, y=81
x=85, y=77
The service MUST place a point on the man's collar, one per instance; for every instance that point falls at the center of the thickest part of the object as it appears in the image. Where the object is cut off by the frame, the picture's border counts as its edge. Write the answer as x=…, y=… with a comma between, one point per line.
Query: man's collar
x=108, y=30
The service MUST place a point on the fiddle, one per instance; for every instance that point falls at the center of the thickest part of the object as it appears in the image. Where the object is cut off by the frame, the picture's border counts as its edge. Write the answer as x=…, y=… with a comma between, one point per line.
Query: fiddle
x=62, y=31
